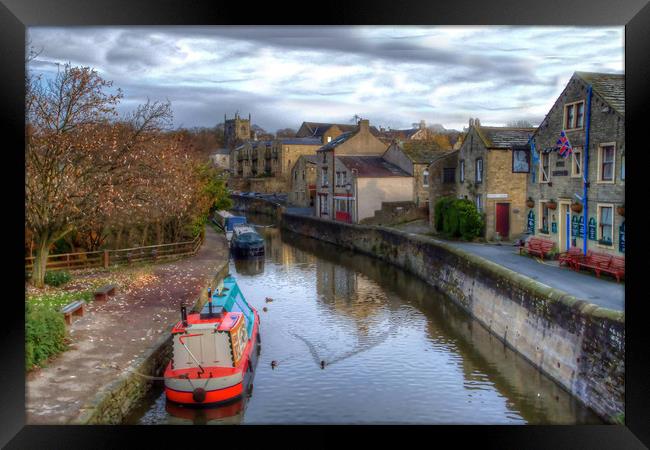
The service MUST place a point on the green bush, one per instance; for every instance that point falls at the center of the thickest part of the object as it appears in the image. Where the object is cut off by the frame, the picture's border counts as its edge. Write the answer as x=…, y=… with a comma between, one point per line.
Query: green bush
x=458, y=218
x=44, y=334
x=57, y=278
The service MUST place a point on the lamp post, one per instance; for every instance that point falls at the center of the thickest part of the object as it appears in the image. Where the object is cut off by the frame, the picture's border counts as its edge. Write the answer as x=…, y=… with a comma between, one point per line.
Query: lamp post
x=348, y=188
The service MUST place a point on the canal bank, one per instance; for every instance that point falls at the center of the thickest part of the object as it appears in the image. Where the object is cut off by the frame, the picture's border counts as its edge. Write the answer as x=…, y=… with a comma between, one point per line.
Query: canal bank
x=575, y=343
x=119, y=345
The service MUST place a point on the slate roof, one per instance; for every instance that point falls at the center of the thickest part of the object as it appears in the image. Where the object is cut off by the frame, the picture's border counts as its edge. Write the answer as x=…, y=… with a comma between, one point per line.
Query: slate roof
x=421, y=152
x=372, y=167
x=399, y=134
x=300, y=141
x=443, y=154
x=319, y=128
x=341, y=138
x=609, y=86
x=504, y=137
x=311, y=159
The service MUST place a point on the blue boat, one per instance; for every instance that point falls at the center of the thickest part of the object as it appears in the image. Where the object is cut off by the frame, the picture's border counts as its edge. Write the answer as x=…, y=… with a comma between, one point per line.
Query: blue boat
x=226, y=221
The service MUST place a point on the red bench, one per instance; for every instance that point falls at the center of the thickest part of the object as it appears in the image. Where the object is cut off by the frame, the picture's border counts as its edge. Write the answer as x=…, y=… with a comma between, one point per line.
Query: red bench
x=569, y=257
x=601, y=262
x=538, y=246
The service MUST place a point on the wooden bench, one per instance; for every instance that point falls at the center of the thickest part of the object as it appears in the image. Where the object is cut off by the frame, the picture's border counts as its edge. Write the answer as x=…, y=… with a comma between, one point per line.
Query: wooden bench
x=616, y=267
x=103, y=292
x=537, y=246
x=569, y=257
x=593, y=260
x=75, y=308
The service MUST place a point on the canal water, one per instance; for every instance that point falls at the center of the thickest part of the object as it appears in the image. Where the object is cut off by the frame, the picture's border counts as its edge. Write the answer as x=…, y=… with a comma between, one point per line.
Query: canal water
x=395, y=350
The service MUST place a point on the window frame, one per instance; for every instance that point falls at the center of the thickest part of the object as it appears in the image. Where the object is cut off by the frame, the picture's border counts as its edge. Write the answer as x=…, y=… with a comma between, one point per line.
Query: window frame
x=541, y=218
x=601, y=148
x=425, y=178
x=445, y=172
x=599, y=235
x=574, y=166
x=573, y=126
x=477, y=172
x=542, y=172
x=462, y=171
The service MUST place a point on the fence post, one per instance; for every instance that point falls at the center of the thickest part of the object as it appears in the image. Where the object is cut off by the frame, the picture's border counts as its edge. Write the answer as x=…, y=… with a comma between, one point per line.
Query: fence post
x=106, y=260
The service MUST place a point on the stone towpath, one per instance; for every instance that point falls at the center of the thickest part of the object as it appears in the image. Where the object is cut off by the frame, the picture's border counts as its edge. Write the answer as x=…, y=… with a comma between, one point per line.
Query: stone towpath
x=600, y=291
x=114, y=333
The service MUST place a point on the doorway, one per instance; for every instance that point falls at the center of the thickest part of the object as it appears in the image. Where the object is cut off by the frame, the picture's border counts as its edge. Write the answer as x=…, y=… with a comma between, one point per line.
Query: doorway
x=503, y=220
x=564, y=226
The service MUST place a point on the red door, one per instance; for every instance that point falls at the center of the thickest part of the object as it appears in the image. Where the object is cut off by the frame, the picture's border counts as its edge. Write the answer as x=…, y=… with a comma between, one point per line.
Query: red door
x=503, y=220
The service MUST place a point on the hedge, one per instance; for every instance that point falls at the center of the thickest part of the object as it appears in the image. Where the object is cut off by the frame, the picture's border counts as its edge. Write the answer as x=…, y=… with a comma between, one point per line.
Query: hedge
x=458, y=218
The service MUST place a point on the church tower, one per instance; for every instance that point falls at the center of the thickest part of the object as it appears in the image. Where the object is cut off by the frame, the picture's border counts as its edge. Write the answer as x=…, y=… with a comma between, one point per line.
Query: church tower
x=236, y=130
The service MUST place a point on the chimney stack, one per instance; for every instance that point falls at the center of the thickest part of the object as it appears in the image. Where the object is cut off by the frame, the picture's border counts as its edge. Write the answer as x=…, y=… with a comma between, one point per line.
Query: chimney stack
x=477, y=122
x=471, y=122
x=364, y=125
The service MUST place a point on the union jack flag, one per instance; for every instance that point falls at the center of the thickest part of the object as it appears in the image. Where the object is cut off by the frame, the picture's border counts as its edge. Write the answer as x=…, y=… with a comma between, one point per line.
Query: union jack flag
x=564, y=146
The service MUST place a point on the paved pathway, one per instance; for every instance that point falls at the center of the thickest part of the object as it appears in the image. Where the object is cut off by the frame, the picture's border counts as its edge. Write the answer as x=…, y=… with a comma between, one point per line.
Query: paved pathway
x=114, y=333
x=600, y=291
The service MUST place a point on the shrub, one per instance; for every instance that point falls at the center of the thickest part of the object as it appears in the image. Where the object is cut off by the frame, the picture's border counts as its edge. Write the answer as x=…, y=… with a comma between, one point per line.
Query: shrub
x=57, y=278
x=44, y=334
x=458, y=218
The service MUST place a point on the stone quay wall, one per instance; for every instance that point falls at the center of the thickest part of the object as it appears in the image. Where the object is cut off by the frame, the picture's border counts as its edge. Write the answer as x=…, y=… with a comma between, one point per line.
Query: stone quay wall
x=577, y=344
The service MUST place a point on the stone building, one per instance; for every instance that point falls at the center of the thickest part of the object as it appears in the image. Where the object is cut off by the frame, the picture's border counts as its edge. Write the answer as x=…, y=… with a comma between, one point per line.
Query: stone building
x=236, y=130
x=441, y=182
x=303, y=182
x=419, y=132
x=326, y=132
x=556, y=183
x=414, y=157
x=268, y=163
x=353, y=179
x=485, y=175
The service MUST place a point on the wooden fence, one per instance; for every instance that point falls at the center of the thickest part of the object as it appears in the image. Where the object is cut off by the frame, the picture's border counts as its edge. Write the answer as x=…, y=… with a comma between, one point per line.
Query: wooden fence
x=106, y=258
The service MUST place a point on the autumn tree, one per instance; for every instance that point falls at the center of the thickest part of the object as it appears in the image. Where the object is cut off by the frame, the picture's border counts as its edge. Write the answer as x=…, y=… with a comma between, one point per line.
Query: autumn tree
x=80, y=162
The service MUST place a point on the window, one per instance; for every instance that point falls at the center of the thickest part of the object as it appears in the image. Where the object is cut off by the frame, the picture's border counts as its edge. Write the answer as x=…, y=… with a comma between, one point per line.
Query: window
x=574, y=114
x=606, y=163
x=623, y=167
x=324, y=158
x=576, y=162
x=338, y=178
x=448, y=175
x=605, y=224
x=329, y=138
x=325, y=180
x=462, y=170
x=544, y=217
x=479, y=170
x=479, y=203
x=544, y=164
x=344, y=178
x=425, y=178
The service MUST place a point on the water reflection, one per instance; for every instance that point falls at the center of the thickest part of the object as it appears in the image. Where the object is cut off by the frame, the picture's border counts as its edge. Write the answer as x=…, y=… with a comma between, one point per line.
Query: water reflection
x=358, y=341
x=249, y=266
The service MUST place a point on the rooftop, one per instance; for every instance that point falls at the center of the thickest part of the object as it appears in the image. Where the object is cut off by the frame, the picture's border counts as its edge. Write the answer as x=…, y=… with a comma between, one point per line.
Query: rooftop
x=421, y=152
x=300, y=141
x=504, y=137
x=609, y=86
x=337, y=141
x=371, y=167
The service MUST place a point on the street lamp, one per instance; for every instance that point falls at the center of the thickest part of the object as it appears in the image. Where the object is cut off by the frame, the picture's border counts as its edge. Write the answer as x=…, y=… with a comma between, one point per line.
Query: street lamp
x=348, y=188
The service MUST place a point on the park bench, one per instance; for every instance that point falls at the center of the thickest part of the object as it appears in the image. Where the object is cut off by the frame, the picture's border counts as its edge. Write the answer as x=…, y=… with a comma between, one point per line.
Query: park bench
x=103, y=292
x=569, y=257
x=592, y=260
x=616, y=267
x=75, y=308
x=537, y=246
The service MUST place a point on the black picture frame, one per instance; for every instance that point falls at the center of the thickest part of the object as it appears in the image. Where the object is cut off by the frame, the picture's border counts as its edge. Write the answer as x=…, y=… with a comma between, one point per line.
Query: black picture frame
x=516, y=151
x=15, y=15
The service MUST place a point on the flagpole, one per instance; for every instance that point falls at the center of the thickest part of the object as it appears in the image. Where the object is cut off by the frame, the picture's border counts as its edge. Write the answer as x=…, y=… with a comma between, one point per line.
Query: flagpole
x=586, y=168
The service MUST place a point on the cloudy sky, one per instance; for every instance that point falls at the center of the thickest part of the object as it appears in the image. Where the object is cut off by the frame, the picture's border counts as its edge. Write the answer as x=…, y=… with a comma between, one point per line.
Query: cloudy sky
x=394, y=76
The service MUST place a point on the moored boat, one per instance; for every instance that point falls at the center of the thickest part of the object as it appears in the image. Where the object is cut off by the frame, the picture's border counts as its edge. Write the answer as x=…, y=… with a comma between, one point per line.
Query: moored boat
x=227, y=221
x=246, y=241
x=214, y=351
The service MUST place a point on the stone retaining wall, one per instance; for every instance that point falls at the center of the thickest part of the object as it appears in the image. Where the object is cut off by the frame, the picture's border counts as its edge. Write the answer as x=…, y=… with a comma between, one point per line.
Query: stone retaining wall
x=114, y=402
x=577, y=344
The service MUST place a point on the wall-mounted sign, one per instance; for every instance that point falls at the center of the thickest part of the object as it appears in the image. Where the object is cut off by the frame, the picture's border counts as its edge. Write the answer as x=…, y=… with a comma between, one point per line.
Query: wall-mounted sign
x=521, y=159
x=560, y=173
x=531, y=222
x=581, y=226
x=497, y=196
x=553, y=227
x=592, y=229
x=559, y=164
x=575, y=226
x=621, y=238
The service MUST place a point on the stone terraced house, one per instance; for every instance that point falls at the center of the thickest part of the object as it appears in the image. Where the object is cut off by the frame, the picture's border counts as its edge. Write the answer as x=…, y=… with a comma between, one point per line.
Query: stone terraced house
x=303, y=182
x=595, y=126
x=486, y=172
